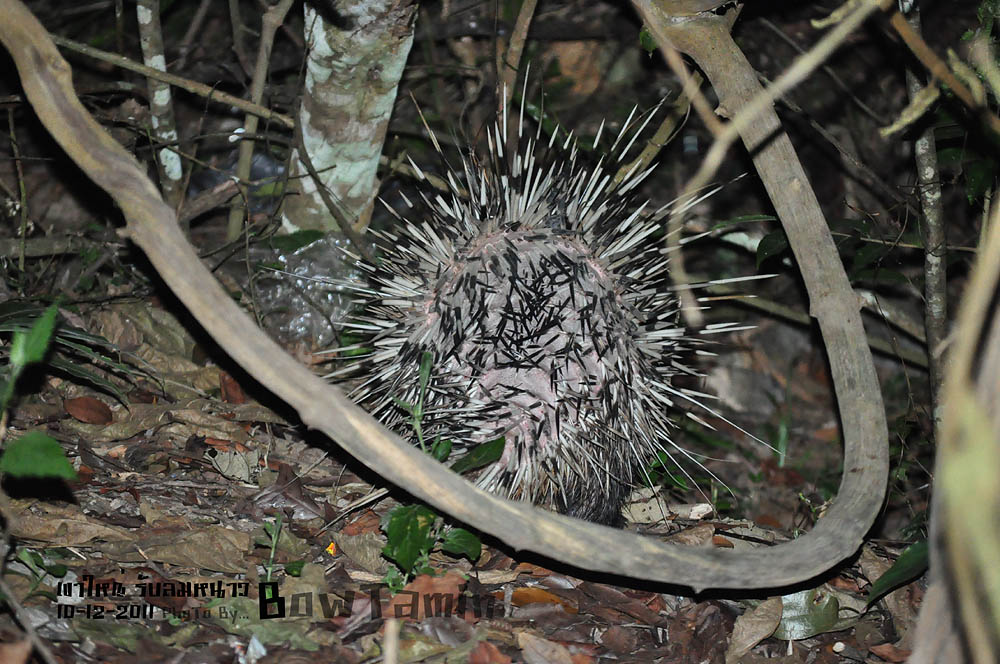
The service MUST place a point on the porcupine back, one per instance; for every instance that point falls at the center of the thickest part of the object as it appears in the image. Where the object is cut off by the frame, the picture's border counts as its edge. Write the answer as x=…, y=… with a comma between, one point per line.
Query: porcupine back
x=547, y=310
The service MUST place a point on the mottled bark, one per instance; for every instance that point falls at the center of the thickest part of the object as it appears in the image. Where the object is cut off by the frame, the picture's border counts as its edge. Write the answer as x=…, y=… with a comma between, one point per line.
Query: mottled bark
x=161, y=107
x=933, y=229
x=352, y=72
x=273, y=18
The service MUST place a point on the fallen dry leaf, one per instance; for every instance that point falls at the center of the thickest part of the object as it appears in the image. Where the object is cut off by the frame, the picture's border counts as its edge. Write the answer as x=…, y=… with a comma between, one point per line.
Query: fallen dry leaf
x=487, y=653
x=619, y=639
x=890, y=653
x=17, y=652
x=89, y=410
x=525, y=596
x=212, y=547
x=532, y=569
x=410, y=604
x=61, y=525
x=231, y=390
x=537, y=650
x=699, y=535
x=752, y=627
x=367, y=522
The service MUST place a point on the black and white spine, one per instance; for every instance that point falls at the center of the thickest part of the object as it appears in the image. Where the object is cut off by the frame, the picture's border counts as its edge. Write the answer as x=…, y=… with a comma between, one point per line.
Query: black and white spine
x=537, y=285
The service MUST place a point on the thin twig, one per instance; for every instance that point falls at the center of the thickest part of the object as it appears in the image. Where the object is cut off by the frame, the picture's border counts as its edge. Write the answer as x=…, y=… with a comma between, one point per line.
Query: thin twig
x=119, y=25
x=40, y=646
x=161, y=106
x=829, y=72
x=51, y=245
x=236, y=19
x=22, y=193
x=855, y=161
x=508, y=65
x=335, y=210
x=692, y=91
x=791, y=314
x=273, y=18
x=940, y=70
x=197, y=21
x=193, y=87
x=892, y=314
x=796, y=73
x=902, y=245
x=982, y=55
x=110, y=87
x=984, y=223
x=935, y=256
x=679, y=109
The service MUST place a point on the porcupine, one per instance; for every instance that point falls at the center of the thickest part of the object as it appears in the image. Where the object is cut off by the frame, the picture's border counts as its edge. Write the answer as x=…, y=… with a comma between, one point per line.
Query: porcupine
x=549, y=317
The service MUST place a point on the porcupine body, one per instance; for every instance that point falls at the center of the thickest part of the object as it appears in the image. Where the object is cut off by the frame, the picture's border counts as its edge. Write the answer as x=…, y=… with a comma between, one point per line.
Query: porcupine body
x=547, y=310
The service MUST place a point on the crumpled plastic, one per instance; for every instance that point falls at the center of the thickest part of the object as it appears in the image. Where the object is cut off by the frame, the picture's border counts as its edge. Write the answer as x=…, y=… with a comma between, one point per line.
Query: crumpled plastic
x=266, y=173
x=305, y=298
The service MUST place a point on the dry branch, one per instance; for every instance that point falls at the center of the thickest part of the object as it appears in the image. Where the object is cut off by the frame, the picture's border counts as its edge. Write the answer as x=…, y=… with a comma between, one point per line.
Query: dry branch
x=832, y=301
x=193, y=87
x=273, y=18
x=151, y=224
x=925, y=153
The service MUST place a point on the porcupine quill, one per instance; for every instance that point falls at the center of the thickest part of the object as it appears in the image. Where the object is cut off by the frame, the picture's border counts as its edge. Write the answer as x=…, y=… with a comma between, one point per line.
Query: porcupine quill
x=549, y=317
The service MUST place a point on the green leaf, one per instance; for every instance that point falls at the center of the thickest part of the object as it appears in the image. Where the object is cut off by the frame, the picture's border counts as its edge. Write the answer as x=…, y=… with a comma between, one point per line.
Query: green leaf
x=647, y=41
x=441, y=449
x=31, y=559
x=402, y=405
x=29, y=348
x=979, y=176
x=952, y=156
x=869, y=253
x=18, y=316
x=781, y=442
x=663, y=475
x=548, y=125
x=910, y=565
x=348, y=339
x=295, y=241
x=770, y=245
x=881, y=276
x=394, y=580
x=851, y=225
x=57, y=570
x=269, y=190
x=20, y=313
x=745, y=219
x=82, y=373
x=36, y=454
x=460, y=542
x=295, y=568
x=409, y=530
x=275, y=266
x=426, y=360
x=987, y=12
x=480, y=455
x=423, y=566
x=807, y=613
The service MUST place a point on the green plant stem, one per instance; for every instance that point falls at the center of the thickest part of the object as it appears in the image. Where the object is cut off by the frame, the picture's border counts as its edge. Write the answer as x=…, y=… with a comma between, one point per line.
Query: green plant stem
x=274, y=545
